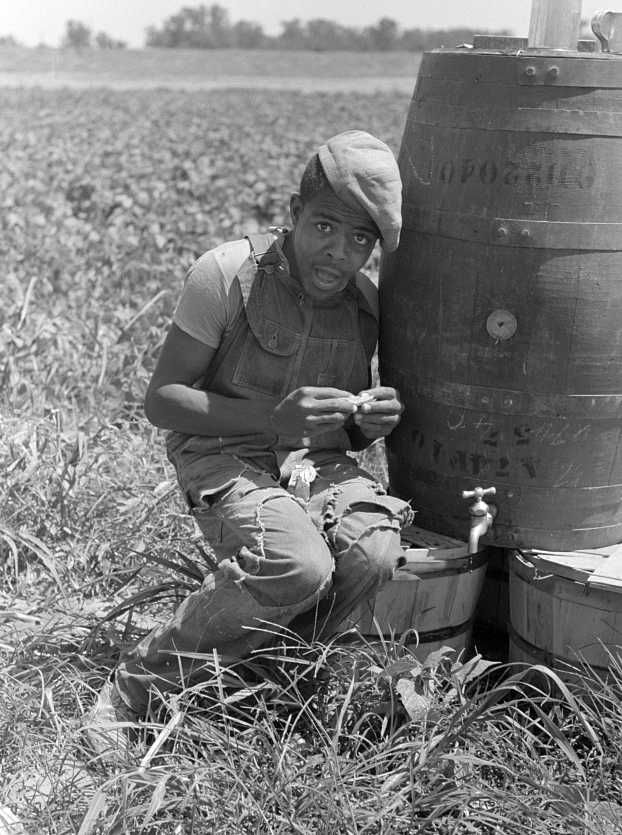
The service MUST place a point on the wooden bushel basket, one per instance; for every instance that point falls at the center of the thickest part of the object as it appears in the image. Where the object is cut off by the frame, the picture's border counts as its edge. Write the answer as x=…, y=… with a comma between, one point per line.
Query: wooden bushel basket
x=565, y=608
x=433, y=595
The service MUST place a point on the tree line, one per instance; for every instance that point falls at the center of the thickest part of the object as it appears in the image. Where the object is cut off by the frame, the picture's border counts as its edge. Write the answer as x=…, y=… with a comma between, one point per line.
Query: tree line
x=80, y=36
x=210, y=27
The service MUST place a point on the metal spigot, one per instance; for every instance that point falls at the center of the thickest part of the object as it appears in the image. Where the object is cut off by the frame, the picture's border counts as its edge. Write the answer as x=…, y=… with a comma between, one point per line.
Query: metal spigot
x=482, y=515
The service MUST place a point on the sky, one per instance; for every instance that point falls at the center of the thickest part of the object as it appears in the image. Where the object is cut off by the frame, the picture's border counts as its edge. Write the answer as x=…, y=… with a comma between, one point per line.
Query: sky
x=43, y=21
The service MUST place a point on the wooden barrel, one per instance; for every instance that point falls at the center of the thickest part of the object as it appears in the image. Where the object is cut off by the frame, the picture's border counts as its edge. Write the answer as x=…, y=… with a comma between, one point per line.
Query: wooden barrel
x=502, y=307
x=558, y=617
x=432, y=596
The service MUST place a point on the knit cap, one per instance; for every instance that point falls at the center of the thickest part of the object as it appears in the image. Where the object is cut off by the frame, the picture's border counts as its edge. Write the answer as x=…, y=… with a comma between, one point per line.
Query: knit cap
x=362, y=171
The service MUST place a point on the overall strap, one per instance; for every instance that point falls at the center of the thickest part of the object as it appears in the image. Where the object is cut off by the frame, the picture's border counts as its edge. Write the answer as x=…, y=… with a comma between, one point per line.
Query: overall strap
x=260, y=244
x=262, y=256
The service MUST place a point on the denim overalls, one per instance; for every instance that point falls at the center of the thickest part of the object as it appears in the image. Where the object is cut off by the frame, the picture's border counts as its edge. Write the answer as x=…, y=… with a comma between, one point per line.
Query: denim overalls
x=305, y=559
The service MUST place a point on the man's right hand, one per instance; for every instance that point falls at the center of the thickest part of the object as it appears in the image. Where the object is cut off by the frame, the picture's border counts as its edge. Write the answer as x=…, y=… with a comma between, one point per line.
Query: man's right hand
x=310, y=410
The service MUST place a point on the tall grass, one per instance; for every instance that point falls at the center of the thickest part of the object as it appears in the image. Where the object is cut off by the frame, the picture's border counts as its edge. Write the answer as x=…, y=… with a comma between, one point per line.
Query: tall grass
x=337, y=738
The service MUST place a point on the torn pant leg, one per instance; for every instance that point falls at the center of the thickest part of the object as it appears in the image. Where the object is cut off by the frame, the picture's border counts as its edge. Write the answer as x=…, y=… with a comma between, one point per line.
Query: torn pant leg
x=274, y=564
x=362, y=526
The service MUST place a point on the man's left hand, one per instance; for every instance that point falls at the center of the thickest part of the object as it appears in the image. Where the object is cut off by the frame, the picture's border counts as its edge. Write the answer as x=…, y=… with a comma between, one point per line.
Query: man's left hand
x=379, y=413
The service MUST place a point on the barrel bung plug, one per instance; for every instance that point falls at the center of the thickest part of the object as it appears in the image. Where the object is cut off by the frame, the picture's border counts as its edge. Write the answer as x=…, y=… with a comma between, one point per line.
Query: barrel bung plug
x=482, y=515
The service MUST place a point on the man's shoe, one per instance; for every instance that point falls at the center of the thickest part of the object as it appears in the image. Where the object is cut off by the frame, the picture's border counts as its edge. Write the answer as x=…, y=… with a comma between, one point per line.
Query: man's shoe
x=107, y=726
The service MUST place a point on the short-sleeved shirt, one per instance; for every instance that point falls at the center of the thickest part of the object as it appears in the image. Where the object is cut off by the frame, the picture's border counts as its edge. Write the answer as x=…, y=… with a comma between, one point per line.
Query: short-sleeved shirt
x=211, y=299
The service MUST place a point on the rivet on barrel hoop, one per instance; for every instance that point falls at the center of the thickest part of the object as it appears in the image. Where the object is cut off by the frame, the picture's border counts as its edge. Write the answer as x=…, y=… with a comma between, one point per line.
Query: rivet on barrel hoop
x=553, y=72
x=530, y=72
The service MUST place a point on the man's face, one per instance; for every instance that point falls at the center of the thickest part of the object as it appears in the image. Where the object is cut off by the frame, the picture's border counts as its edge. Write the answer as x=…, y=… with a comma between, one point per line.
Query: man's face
x=331, y=242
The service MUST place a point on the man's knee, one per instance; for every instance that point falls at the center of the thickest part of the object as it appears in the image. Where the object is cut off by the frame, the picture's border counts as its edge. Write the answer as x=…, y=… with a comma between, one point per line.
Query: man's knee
x=283, y=577
x=284, y=560
x=376, y=554
x=356, y=506
x=366, y=536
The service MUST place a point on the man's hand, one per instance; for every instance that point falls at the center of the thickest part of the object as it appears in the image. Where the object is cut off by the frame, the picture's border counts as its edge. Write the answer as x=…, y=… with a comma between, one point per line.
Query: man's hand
x=379, y=412
x=310, y=410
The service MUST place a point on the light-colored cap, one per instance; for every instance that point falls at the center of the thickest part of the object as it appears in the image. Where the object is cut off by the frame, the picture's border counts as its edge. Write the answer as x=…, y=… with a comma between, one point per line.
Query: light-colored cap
x=362, y=172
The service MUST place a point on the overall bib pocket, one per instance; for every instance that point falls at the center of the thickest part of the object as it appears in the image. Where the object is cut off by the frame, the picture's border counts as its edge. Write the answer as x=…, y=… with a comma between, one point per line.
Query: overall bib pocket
x=267, y=358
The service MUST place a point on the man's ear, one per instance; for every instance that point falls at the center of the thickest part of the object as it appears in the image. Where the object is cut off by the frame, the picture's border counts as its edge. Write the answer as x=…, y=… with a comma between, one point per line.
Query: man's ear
x=295, y=208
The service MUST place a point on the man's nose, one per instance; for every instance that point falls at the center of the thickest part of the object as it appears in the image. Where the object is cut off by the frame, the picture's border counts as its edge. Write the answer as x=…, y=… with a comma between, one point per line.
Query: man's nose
x=338, y=248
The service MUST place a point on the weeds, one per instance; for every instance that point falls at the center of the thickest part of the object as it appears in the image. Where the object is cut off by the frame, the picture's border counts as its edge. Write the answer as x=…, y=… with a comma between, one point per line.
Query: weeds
x=315, y=738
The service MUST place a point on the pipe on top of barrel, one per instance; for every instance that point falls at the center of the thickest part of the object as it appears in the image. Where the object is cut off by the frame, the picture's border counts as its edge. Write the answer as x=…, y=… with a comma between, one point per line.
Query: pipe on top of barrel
x=554, y=24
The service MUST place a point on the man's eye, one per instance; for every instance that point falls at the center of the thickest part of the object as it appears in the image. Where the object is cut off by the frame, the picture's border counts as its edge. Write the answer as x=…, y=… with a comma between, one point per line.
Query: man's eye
x=362, y=239
x=324, y=227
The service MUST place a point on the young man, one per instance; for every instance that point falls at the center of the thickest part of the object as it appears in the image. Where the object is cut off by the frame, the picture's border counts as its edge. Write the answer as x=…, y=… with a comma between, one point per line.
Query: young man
x=264, y=385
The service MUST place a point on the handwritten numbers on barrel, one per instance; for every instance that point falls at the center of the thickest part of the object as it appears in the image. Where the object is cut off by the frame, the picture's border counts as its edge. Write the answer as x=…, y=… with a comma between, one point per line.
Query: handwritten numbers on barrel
x=497, y=459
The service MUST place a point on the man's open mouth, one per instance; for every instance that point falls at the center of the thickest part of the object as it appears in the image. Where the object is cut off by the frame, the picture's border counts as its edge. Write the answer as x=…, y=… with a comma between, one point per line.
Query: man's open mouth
x=327, y=275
